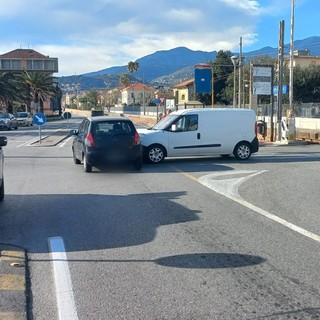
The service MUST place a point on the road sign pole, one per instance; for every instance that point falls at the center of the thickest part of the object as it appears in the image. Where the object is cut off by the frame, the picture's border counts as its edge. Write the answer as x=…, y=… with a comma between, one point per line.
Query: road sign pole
x=39, y=134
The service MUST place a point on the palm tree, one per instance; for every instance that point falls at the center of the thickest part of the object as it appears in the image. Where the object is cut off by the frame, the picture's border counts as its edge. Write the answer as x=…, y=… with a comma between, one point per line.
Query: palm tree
x=40, y=86
x=133, y=66
x=124, y=79
x=7, y=88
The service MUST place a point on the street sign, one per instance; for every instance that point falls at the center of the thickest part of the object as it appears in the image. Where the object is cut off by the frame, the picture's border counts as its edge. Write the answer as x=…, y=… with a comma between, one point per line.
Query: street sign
x=284, y=89
x=67, y=115
x=39, y=119
x=203, y=79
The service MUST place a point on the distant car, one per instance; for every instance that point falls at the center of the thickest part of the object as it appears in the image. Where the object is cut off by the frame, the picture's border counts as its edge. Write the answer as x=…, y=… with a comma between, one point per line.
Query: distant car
x=104, y=140
x=8, y=121
x=24, y=119
x=3, y=142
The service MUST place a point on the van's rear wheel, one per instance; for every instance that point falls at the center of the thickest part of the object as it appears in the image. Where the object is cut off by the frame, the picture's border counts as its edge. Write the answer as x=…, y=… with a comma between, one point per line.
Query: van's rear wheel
x=155, y=154
x=242, y=151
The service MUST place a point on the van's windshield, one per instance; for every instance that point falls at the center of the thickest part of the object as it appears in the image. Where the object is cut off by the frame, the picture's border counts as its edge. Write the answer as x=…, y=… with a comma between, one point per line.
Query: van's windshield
x=163, y=123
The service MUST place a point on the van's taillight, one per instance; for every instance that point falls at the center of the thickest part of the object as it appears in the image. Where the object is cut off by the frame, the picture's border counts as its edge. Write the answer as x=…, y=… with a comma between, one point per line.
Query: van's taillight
x=136, y=140
x=89, y=142
x=256, y=129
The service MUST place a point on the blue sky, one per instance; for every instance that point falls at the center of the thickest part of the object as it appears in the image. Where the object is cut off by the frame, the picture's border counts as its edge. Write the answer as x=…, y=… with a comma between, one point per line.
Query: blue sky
x=92, y=35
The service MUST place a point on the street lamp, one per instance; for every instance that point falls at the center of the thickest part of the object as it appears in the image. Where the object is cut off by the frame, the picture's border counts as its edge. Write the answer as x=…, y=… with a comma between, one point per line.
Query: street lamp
x=235, y=60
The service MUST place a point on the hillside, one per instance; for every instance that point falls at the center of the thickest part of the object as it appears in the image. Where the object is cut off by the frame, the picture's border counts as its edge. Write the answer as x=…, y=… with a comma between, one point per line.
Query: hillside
x=168, y=67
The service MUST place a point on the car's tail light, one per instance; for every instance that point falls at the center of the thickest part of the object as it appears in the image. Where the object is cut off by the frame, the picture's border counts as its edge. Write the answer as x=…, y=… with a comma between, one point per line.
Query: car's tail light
x=89, y=142
x=136, y=140
x=256, y=129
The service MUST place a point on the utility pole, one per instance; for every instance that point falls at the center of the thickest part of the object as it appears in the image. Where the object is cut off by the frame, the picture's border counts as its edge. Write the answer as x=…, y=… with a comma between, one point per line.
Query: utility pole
x=240, y=74
x=291, y=61
x=280, y=78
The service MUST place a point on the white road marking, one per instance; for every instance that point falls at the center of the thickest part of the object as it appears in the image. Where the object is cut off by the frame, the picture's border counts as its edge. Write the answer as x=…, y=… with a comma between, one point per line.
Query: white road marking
x=28, y=143
x=62, y=144
x=229, y=188
x=64, y=292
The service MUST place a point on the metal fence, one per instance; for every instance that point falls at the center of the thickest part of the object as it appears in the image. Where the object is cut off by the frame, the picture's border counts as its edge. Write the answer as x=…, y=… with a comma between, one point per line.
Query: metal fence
x=306, y=110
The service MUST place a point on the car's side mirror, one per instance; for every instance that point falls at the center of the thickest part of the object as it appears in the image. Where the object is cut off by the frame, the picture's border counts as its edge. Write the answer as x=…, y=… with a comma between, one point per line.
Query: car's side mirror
x=74, y=132
x=174, y=127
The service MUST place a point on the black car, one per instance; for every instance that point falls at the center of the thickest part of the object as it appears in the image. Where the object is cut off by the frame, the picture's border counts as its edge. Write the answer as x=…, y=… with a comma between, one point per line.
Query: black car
x=3, y=142
x=8, y=121
x=104, y=140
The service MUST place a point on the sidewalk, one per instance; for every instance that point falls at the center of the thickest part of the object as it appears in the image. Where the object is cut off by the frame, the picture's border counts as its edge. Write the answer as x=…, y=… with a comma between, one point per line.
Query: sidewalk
x=13, y=290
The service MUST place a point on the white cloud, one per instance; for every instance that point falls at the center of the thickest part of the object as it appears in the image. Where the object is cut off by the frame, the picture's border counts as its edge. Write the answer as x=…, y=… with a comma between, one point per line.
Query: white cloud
x=92, y=35
x=249, y=6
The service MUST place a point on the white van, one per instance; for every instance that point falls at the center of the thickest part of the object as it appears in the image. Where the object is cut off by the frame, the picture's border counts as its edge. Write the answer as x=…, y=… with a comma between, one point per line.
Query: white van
x=201, y=132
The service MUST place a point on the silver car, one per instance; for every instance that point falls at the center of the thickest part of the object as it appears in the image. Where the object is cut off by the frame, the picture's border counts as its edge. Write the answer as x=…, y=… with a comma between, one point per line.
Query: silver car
x=8, y=121
x=3, y=142
x=24, y=119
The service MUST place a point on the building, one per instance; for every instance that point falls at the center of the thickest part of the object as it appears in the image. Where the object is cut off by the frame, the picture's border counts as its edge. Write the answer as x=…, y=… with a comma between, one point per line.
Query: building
x=30, y=60
x=27, y=59
x=303, y=59
x=137, y=94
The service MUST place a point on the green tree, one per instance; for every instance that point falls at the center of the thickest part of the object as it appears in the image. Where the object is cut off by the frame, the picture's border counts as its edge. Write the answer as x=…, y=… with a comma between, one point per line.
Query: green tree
x=306, y=84
x=222, y=69
x=90, y=100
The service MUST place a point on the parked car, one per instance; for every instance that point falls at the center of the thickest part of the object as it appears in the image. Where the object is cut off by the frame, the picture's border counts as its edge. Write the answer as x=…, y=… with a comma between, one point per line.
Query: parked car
x=8, y=121
x=104, y=140
x=202, y=132
x=24, y=119
x=3, y=142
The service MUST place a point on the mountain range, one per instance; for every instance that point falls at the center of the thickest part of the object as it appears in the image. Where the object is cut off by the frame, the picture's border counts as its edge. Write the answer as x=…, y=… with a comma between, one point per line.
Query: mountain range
x=169, y=67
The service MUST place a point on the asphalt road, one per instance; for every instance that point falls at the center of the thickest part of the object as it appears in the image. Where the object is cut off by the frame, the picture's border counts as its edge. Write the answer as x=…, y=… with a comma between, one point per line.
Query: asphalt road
x=205, y=238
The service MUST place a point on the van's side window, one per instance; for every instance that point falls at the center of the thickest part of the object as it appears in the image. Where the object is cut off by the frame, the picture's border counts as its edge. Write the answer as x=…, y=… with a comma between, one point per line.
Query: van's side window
x=187, y=123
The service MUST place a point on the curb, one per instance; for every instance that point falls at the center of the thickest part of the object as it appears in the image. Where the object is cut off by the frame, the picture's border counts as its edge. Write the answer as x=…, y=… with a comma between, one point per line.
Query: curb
x=13, y=283
x=52, y=139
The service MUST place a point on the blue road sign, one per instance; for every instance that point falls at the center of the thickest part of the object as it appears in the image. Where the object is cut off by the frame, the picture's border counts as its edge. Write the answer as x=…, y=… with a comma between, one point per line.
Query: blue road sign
x=67, y=115
x=39, y=119
x=284, y=89
x=203, y=80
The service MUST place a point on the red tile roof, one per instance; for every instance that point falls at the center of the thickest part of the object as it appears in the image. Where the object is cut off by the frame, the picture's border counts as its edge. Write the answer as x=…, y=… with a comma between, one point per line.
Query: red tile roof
x=23, y=54
x=138, y=86
x=184, y=84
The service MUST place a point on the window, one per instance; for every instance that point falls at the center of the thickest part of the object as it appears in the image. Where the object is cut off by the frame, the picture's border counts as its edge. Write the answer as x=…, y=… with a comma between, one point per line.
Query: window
x=187, y=123
x=16, y=64
x=37, y=64
x=5, y=64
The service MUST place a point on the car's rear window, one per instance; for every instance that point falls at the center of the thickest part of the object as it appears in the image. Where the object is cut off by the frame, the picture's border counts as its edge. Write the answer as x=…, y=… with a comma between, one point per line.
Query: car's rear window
x=112, y=128
x=21, y=115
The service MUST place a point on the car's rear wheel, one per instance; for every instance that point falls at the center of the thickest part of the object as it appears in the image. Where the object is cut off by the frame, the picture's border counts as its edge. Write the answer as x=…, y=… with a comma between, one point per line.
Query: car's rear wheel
x=155, y=153
x=86, y=166
x=2, y=190
x=242, y=151
x=75, y=159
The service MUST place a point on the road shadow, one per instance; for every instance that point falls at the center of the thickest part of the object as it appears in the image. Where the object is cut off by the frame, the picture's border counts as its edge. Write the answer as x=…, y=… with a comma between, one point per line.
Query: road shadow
x=89, y=221
x=185, y=261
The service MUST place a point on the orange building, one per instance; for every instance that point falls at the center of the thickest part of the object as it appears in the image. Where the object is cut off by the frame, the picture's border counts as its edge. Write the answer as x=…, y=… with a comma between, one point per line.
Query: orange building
x=30, y=60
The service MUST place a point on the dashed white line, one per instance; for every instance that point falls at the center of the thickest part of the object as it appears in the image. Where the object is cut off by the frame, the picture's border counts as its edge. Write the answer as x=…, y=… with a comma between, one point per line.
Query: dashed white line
x=64, y=292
